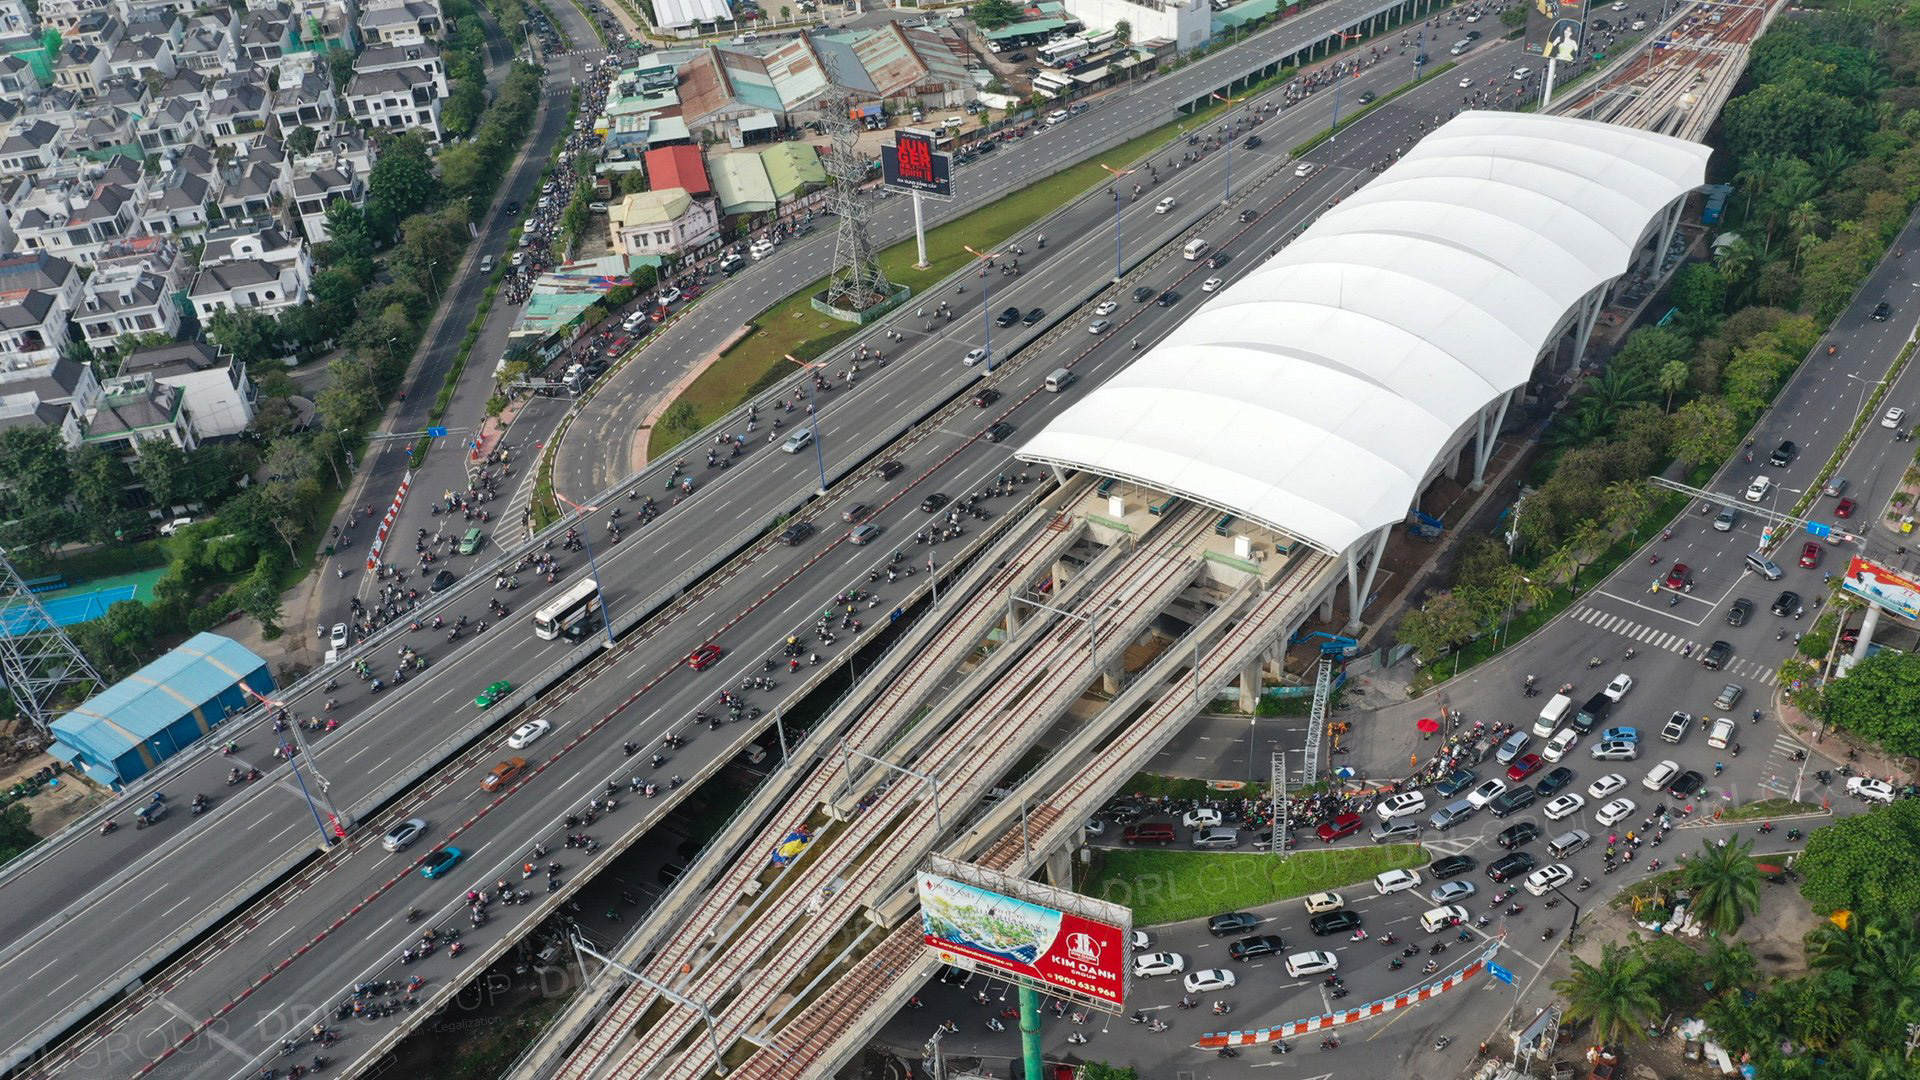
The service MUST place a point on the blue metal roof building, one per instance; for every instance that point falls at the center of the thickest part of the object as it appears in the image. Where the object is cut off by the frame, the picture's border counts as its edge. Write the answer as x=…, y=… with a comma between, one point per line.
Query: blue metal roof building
x=129, y=728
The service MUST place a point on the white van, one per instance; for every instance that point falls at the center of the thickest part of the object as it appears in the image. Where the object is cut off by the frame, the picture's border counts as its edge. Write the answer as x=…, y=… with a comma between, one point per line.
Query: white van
x=486, y=264
x=1302, y=964
x=1461, y=46
x=1057, y=116
x=1442, y=918
x=952, y=123
x=1552, y=715
x=1059, y=380
x=1194, y=249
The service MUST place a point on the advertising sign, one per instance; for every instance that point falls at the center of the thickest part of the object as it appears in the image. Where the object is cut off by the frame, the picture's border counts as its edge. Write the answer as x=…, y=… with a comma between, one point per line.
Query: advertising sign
x=1555, y=29
x=912, y=164
x=1876, y=584
x=1082, y=956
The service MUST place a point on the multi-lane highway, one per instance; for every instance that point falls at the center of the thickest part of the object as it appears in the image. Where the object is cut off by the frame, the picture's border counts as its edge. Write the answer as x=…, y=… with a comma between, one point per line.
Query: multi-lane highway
x=260, y=828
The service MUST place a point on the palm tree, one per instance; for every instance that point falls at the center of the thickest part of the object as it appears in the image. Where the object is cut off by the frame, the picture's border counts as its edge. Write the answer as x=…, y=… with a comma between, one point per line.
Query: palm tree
x=1735, y=261
x=1616, y=994
x=1580, y=427
x=1626, y=500
x=1725, y=884
x=1587, y=536
x=1559, y=565
x=1672, y=378
x=1730, y=967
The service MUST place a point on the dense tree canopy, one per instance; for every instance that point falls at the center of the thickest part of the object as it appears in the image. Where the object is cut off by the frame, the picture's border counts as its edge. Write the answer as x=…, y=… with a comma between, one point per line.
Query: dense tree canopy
x=1879, y=700
x=1868, y=862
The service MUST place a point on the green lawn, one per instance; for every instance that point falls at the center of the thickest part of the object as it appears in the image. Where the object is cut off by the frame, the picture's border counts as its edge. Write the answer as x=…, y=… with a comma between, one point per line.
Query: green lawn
x=1169, y=886
x=1769, y=808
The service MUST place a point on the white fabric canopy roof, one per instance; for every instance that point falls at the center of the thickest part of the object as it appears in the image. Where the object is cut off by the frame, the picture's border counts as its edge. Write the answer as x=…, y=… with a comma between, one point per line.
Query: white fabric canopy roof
x=1313, y=395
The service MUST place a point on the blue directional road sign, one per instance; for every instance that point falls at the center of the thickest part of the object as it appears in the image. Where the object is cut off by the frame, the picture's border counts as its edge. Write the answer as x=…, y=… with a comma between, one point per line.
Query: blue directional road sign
x=1500, y=973
x=436, y=432
x=1819, y=528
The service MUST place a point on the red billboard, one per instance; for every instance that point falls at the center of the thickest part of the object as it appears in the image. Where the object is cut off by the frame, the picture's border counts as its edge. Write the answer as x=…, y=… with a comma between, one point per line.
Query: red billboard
x=1070, y=952
x=912, y=164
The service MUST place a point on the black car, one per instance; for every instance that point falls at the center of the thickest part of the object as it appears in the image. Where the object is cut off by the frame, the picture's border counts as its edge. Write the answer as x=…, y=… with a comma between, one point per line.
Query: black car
x=1016, y=58
x=796, y=532
x=1787, y=604
x=1233, y=922
x=1783, y=454
x=1740, y=612
x=1554, y=781
x=1007, y=317
x=1717, y=655
x=1451, y=866
x=890, y=469
x=1220, y=259
x=986, y=397
x=512, y=208
x=1686, y=784
x=1168, y=298
x=1142, y=294
x=1511, y=800
x=1515, y=835
x=1252, y=948
x=933, y=502
x=1881, y=312
x=999, y=431
x=1034, y=315
x=442, y=580
x=1368, y=97
x=1456, y=782
x=1334, y=922
x=1473, y=35
x=1250, y=143
x=1249, y=214
x=1508, y=867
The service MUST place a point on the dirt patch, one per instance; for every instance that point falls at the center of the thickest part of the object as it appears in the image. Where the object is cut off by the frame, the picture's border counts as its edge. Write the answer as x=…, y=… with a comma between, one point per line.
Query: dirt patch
x=54, y=805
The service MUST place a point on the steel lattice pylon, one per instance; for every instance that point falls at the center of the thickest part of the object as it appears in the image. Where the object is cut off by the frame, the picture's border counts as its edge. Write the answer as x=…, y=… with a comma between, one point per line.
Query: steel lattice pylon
x=857, y=282
x=37, y=659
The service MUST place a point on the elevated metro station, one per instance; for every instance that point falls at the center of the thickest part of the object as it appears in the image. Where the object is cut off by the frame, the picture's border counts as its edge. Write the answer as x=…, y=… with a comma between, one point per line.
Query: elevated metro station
x=1204, y=504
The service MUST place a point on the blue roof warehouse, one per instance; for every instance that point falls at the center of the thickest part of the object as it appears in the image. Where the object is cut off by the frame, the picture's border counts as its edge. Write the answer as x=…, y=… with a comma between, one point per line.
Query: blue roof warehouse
x=128, y=729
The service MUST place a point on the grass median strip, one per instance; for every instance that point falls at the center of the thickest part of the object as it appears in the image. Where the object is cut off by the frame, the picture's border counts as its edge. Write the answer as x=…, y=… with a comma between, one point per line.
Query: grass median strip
x=1171, y=886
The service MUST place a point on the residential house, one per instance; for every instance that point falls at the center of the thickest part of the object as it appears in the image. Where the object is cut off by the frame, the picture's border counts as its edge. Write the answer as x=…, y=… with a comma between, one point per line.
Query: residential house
x=126, y=299
x=64, y=15
x=220, y=398
x=240, y=107
x=306, y=101
x=255, y=182
x=262, y=34
x=33, y=330
x=31, y=146
x=138, y=55
x=76, y=218
x=176, y=199
x=315, y=190
x=103, y=28
x=405, y=98
x=210, y=43
x=17, y=78
x=132, y=409
x=80, y=67
x=245, y=284
x=408, y=22
x=15, y=18
x=173, y=124
x=53, y=395
x=661, y=224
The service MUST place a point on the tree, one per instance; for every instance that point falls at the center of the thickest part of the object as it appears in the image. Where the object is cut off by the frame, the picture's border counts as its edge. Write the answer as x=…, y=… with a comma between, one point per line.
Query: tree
x=1673, y=378
x=1879, y=700
x=1123, y=32
x=100, y=483
x=402, y=181
x=1616, y=994
x=1100, y=1070
x=250, y=335
x=1730, y=967
x=1848, y=865
x=161, y=469
x=994, y=14
x=302, y=140
x=1704, y=430
x=340, y=67
x=1444, y=621
x=16, y=832
x=1699, y=289
x=1725, y=884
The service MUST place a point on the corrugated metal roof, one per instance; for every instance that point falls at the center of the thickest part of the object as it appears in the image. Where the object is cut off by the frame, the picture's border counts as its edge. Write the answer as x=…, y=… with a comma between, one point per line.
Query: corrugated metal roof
x=795, y=71
x=1026, y=29
x=138, y=707
x=792, y=167
x=740, y=184
x=678, y=167
x=674, y=14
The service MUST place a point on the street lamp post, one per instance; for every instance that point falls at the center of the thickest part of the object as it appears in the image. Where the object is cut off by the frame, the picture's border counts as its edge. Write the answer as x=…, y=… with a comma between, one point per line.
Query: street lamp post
x=1339, y=76
x=813, y=422
x=1118, y=268
x=593, y=566
x=986, y=302
x=1226, y=116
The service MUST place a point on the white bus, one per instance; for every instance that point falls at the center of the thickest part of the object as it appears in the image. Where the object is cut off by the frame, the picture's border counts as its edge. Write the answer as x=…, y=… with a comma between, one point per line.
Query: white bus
x=1102, y=40
x=1063, y=50
x=566, y=611
x=1049, y=84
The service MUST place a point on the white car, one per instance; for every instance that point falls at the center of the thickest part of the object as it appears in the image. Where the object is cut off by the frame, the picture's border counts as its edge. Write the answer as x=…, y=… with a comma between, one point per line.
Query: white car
x=1142, y=941
x=1164, y=205
x=1614, y=812
x=1202, y=818
x=1449, y=891
x=1522, y=73
x=1107, y=307
x=671, y=296
x=1618, y=688
x=974, y=356
x=1614, y=750
x=1866, y=787
x=1303, y=964
x=1757, y=490
x=1893, y=417
x=1661, y=775
x=528, y=733
x=1402, y=805
x=1325, y=901
x=1547, y=878
x=1211, y=284
x=1099, y=326
x=1565, y=806
x=1487, y=792
x=1563, y=740
x=1147, y=965
x=1206, y=982
x=1721, y=734
x=1305, y=168
x=1389, y=882
x=337, y=637
x=1467, y=83
x=1606, y=786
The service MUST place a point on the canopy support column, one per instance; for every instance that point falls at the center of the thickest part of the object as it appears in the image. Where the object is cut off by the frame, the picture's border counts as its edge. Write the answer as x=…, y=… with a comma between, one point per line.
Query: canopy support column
x=1358, y=588
x=1486, y=438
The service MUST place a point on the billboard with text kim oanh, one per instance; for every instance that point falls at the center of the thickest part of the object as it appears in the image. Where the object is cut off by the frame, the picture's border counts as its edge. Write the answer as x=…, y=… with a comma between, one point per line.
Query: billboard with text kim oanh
x=1073, y=953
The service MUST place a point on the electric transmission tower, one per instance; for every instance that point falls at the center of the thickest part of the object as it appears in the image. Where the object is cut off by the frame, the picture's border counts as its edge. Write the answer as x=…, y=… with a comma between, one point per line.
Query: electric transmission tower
x=857, y=282
x=37, y=659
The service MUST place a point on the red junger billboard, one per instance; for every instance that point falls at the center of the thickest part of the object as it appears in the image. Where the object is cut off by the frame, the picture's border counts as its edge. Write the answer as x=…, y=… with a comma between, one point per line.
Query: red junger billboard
x=1074, y=953
x=912, y=164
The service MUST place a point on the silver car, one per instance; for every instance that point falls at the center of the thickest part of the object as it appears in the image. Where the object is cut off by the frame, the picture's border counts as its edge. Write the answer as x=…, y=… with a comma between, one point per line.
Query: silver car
x=1452, y=891
x=401, y=836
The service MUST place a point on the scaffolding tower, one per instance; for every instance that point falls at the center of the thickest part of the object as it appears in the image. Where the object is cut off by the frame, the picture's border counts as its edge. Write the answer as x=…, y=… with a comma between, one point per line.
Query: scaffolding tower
x=1278, y=792
x=1317, y=720
x=857, y=283
x=39, y=662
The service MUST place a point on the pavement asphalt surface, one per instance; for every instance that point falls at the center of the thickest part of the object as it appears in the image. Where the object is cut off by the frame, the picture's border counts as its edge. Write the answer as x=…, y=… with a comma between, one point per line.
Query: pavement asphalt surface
x=181, y=870
x=1815, y=409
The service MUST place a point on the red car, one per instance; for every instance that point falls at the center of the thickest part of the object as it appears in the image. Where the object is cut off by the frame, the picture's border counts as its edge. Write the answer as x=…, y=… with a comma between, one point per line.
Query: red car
x=1344, y=825
x=703, y=657
x=1843, y=508
x=1523, y=767
x=1679, y=577
x=1809, y=554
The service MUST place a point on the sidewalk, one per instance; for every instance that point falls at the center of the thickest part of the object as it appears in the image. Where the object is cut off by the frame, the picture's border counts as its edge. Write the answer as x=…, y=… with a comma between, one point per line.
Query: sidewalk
x=1839, y=747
